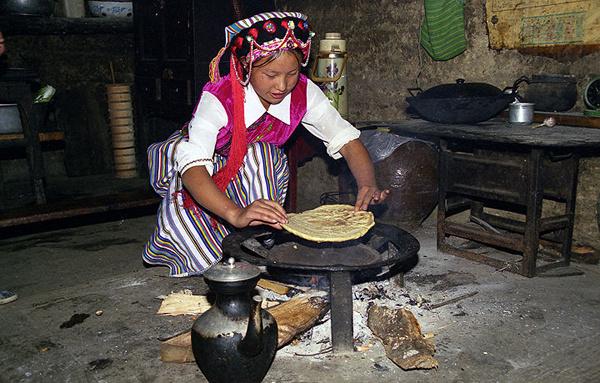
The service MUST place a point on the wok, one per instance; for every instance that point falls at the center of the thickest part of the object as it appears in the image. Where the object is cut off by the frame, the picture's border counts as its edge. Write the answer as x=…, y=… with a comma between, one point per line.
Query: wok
x=462, y=103
x=552, y=92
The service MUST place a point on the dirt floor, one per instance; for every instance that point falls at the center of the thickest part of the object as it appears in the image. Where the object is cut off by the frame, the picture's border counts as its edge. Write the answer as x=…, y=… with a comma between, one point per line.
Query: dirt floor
x=514, y=329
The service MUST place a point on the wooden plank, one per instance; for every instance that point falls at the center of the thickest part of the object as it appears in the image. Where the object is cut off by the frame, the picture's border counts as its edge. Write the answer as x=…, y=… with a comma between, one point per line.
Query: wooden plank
x=43, y=136
x=561, y=51
x=182, y=303
x=495, y=131
x=12, y=137
x=573, y=119
x=77, y=207
x=51, y=136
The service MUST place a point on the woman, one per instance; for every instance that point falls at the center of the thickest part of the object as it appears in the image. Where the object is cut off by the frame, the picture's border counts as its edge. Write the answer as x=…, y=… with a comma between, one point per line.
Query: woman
x=225, y=168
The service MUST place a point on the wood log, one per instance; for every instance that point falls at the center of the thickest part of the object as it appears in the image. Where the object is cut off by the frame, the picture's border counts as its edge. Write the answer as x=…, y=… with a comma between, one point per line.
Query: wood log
x=177, y=349
x=402, y=339
x=293, y=318
x=297, y=315
x=183, y=304
x=275, y=287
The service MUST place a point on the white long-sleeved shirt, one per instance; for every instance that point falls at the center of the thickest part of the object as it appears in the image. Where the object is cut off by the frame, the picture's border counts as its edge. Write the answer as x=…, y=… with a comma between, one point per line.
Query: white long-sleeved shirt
x=321, y=119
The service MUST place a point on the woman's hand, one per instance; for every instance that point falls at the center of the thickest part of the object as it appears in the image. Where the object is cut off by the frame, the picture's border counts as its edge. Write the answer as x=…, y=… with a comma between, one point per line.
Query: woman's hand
x=259, y=212
x=369, y=195
x=361, y=166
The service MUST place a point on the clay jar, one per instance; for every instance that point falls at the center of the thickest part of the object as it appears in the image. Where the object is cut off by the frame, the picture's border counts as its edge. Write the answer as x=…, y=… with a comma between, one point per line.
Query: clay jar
x=235, y=340
x=408, y=168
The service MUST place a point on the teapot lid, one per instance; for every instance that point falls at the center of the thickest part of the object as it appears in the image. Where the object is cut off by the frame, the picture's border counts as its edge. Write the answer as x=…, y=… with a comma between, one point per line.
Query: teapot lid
x=232, y=271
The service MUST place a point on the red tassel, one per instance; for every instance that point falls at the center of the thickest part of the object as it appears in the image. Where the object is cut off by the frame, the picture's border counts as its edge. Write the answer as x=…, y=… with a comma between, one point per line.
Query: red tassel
x=237, y=152
x=187, y=201
x=239, y=145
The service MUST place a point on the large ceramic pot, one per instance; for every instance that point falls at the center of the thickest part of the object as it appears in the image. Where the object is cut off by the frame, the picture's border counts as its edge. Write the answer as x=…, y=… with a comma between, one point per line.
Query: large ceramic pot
x=408, y=168
x=27, y=7
x=235, y=340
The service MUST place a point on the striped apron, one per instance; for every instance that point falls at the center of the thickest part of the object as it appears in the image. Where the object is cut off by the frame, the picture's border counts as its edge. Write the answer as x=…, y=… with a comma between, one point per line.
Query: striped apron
x=186, y=241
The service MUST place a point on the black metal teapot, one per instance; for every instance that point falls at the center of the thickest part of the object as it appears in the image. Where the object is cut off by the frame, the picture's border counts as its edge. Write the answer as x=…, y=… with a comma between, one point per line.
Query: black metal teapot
x=235, y=340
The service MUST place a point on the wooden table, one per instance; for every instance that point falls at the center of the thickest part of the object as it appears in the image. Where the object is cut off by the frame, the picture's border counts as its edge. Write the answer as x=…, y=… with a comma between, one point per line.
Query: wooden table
x=511, y=168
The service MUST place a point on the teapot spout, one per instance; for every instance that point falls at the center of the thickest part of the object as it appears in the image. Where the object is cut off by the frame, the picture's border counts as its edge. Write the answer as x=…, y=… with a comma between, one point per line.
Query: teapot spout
x=252, y=343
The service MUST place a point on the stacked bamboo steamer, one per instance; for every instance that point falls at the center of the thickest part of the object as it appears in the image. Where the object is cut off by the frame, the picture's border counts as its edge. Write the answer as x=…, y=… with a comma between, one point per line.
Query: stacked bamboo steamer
x=121, y=125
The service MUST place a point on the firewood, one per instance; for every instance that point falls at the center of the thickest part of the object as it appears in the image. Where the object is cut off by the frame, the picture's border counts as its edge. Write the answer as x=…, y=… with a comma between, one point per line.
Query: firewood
x=293, y=318
x=297, y=315
x=177, y=349
x=275, y=287
x=182, y=303
x=402, y=339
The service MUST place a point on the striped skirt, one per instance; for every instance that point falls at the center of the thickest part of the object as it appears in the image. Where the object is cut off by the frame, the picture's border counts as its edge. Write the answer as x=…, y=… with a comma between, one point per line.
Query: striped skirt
x=186, y=241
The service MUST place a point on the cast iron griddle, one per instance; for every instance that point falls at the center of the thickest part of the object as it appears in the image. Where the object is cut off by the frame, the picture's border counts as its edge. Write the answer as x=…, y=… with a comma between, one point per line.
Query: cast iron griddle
x=383, y=245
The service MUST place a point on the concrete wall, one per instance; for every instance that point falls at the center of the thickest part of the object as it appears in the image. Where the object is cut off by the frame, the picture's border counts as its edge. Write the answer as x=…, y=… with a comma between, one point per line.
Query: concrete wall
x=385, y=60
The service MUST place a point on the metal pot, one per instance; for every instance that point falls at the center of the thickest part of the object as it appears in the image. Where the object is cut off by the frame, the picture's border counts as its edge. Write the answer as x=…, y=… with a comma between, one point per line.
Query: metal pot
x=552, y=92
x=461, y=103
x=10, y=119
x=520, y=112
x=27, y=7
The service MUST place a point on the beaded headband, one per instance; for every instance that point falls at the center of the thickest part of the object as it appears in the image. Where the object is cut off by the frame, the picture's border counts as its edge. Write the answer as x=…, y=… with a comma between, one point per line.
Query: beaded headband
x=262, y=35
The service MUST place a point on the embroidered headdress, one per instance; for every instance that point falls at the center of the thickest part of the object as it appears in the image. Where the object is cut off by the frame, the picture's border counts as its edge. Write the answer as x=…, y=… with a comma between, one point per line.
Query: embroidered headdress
x=259, y=36
x=249, y=40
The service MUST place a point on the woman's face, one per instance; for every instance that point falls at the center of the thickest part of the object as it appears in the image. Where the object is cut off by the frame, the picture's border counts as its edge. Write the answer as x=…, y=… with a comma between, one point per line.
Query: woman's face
x=276, y=79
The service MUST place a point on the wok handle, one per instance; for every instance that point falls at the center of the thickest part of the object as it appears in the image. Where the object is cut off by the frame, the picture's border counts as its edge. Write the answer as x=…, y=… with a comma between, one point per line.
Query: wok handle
x=418, y=90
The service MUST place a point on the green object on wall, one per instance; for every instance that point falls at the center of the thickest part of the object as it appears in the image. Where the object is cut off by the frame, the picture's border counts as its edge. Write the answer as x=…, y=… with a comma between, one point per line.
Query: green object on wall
x=443, y=29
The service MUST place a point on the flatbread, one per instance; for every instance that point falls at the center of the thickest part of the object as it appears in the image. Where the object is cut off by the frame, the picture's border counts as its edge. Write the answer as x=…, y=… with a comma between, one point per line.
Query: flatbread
x=330, y=223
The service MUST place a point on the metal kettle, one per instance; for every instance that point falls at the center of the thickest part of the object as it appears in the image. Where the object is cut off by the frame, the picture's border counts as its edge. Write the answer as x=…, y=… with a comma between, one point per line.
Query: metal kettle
x=235, y=340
